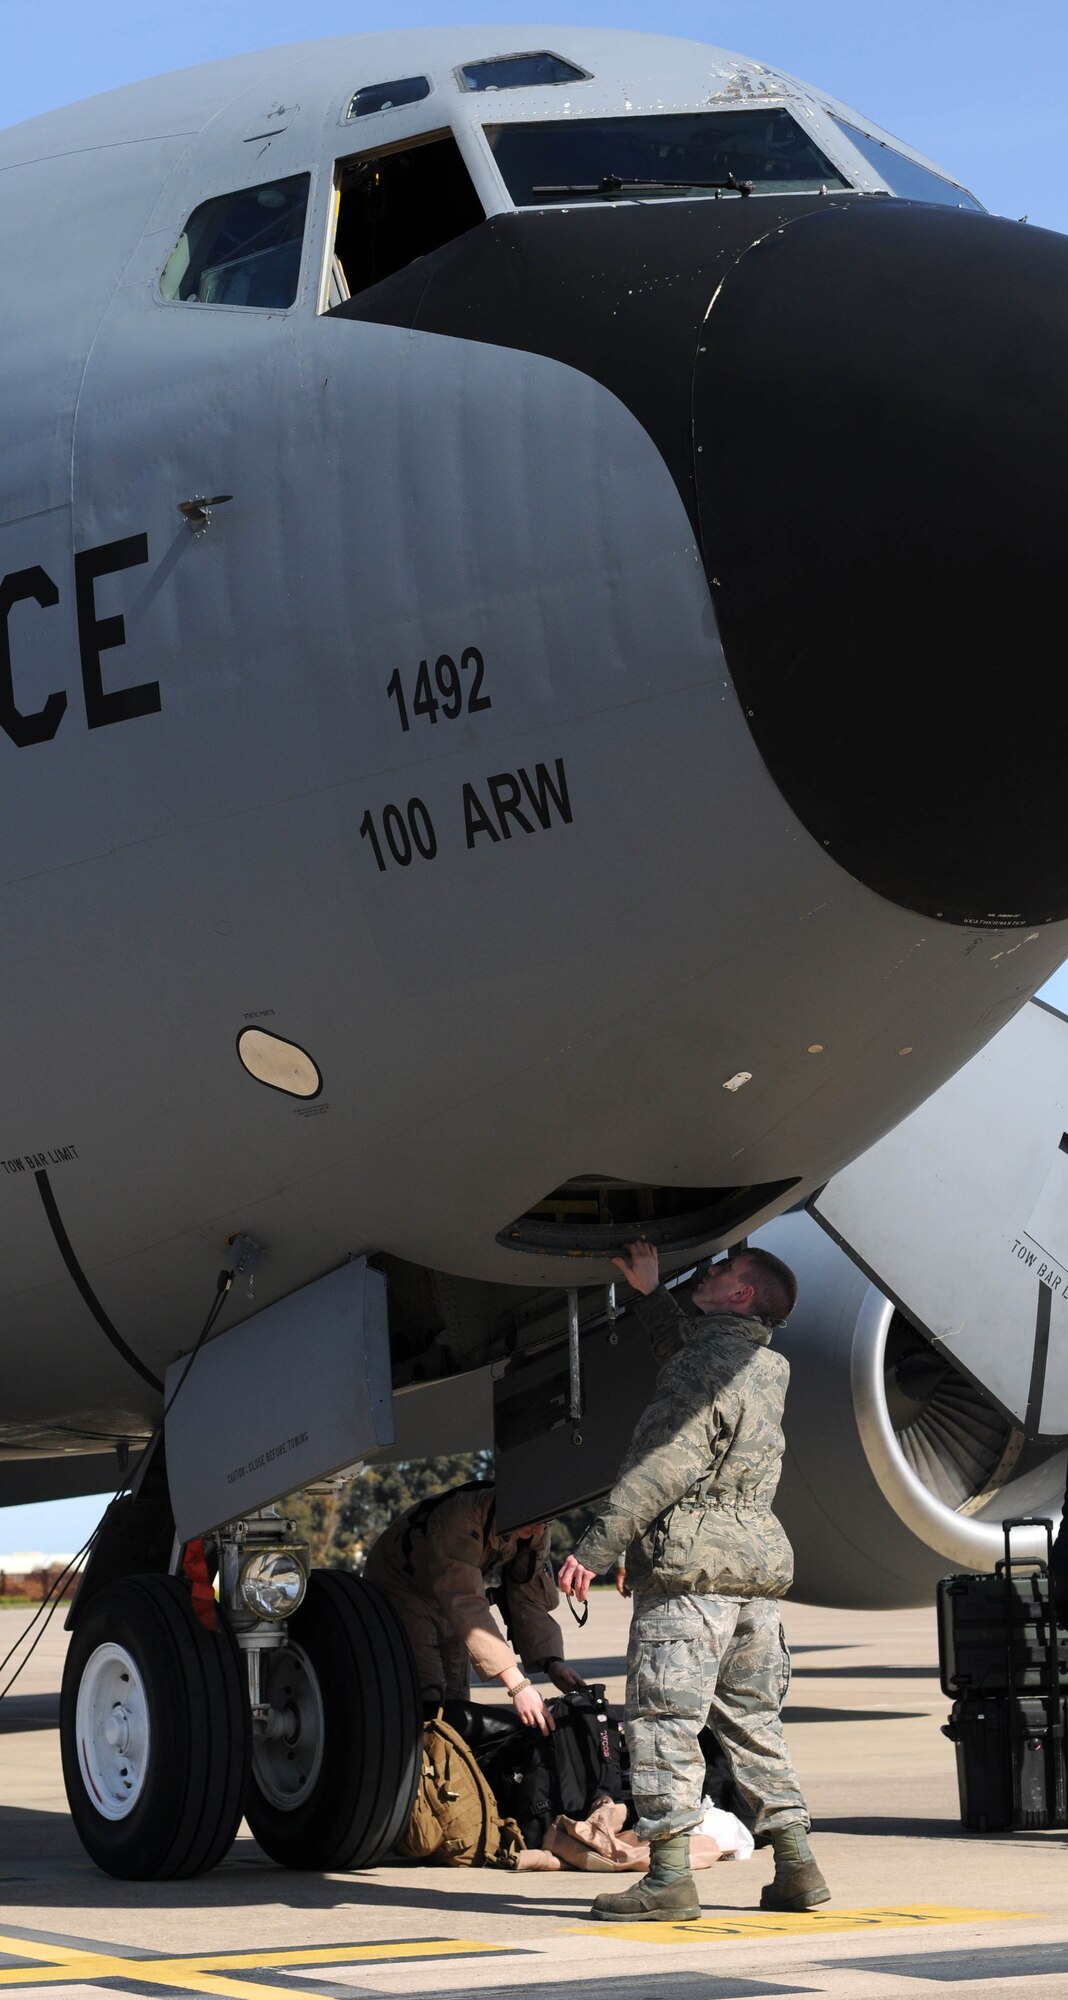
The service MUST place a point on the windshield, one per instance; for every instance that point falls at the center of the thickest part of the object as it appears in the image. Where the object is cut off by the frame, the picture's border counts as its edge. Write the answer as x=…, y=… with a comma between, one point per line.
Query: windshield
x=709, y=153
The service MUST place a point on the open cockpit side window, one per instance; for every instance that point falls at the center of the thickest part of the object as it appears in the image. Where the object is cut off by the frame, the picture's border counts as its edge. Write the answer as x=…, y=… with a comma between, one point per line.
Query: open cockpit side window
x=241, y=249
x=397, y=205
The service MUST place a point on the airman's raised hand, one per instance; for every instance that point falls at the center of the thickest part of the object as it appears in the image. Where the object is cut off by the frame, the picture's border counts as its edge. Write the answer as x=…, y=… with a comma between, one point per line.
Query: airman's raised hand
x=640, y=1265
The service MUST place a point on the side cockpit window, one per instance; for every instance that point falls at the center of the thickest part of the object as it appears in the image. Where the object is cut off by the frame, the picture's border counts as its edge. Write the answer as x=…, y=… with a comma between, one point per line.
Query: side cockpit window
x=396, y=206
x=241, y=249
x=904, y=176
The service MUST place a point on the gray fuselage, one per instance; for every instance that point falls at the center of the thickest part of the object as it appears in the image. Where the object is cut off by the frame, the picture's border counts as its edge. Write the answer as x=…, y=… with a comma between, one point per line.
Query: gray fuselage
x=576, y=931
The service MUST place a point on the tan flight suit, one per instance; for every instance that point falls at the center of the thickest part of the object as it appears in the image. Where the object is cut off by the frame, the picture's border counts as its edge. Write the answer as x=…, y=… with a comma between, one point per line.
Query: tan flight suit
x=433, y=1563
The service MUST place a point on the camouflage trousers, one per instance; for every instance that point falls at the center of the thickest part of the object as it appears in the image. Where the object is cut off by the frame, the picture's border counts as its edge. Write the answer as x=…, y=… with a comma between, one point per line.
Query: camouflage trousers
x=715, y=1661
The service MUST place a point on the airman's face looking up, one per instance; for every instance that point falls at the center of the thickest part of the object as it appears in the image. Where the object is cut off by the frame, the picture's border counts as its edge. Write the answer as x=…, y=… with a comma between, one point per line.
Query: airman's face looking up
x=725, y=1287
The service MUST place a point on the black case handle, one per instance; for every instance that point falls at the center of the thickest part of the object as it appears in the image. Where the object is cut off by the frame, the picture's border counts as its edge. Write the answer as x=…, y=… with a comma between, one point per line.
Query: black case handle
x=1027, y=1521
x=1053, y=1695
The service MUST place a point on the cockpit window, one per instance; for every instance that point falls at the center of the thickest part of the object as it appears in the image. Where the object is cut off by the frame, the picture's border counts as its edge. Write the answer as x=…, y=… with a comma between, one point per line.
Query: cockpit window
x=523, y=72
x=396, y=206
x=904, y=176
x=698, y=153
x=241, y=249
x=387, y=96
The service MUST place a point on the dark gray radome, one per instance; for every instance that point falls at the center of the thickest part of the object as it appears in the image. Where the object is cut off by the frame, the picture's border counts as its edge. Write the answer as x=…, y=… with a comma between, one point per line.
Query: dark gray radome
x=881, y=505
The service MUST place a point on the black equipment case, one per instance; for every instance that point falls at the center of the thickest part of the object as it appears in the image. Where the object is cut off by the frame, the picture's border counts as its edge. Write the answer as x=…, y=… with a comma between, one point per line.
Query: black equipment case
x=1001, y=1655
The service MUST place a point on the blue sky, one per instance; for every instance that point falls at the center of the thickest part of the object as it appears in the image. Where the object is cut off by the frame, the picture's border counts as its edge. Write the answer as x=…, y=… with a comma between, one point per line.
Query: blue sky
x=979, y=85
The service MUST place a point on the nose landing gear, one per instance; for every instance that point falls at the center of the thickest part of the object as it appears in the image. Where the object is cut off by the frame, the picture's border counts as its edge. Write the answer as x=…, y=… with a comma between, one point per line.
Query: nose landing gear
x=167, y=1735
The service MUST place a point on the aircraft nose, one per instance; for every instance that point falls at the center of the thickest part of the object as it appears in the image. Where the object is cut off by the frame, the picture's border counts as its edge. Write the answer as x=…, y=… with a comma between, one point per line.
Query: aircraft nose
x=881, y=433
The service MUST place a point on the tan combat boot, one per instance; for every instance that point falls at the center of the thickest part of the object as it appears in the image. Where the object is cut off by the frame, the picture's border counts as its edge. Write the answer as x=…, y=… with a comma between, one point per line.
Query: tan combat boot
x=667, y=1895
x=797, y=1884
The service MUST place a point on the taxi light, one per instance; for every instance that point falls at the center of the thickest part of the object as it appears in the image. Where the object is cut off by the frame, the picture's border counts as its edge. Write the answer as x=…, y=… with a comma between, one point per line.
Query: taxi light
x=272, y=1583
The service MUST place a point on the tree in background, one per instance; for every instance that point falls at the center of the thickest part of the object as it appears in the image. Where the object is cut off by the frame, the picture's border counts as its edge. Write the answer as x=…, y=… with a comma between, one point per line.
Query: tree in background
x=342, y=1527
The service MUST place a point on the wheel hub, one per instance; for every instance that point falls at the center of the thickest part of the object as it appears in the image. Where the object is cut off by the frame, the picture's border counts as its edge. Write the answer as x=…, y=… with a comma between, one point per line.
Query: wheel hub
x=117, y=1729
x=287, y=1748
x=277, y=1725
x=114, y=1736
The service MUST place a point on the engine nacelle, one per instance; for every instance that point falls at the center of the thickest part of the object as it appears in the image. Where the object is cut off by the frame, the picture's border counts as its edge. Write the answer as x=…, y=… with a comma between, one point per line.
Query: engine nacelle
x=898, y=1469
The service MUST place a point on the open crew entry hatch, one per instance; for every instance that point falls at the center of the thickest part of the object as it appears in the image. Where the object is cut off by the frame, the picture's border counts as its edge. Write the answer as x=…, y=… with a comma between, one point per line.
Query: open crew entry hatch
x=595, y=1215
x=546, y=1459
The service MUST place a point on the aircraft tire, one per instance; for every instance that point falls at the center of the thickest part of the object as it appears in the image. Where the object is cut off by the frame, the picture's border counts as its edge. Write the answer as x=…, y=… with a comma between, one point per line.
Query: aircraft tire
x=154, y=1732
x=338, y=1790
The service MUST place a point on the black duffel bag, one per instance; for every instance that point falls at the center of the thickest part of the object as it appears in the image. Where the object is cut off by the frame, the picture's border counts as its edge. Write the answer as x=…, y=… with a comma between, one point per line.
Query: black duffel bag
x=535, y=1777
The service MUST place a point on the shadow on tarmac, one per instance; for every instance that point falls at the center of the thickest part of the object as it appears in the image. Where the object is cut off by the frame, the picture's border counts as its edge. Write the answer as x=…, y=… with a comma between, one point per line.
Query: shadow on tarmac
x=28, y=1711
x=596, y=1670
x=792, y=1714
x=238, y=1885
x=936, y=1829
x=867, y=1673
x=247, y=1877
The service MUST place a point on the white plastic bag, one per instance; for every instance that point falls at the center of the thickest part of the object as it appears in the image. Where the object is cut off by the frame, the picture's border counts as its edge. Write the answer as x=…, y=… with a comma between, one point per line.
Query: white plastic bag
x=734, y=1839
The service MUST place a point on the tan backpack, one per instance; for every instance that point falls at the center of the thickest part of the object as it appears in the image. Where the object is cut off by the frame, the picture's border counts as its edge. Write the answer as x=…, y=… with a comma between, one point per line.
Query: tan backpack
x=455, y=1819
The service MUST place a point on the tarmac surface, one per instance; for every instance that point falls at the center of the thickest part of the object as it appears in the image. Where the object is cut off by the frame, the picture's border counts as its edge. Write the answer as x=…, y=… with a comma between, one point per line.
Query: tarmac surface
x=919, y=1907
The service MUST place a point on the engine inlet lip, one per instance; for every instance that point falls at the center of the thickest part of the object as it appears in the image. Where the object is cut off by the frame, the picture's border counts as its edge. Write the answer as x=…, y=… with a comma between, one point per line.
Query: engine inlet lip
x=968, y=1544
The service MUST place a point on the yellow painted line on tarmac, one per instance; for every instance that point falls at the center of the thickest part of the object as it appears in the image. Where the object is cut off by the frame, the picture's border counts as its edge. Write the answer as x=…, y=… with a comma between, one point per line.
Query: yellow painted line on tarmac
x=87, y=1969
x=212, y=1972
x=803, y=1923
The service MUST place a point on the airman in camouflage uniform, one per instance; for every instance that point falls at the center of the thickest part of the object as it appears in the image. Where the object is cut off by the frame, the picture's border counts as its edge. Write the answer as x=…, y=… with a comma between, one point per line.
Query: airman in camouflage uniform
x=706, y=1560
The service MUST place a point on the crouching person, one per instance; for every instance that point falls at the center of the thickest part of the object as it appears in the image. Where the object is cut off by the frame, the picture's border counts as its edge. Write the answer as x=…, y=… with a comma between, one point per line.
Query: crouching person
x=434, y=1563
x=706, y=1561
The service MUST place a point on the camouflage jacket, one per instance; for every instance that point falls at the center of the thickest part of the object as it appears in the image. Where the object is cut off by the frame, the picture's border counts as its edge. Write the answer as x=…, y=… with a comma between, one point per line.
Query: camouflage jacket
x=692, y=1501
x=446, y=1551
